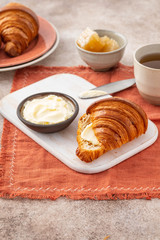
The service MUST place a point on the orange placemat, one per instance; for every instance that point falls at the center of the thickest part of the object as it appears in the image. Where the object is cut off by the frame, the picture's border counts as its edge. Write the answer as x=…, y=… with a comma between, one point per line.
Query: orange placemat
x=27, y=170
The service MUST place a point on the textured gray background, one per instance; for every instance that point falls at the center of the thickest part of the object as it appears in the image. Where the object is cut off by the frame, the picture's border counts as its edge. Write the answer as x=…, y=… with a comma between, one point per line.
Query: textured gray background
x=63, y=219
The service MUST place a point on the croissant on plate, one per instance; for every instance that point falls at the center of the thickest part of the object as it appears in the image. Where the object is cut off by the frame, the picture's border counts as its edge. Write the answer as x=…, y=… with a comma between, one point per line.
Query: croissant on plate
x=18, y=27
x=108, y=124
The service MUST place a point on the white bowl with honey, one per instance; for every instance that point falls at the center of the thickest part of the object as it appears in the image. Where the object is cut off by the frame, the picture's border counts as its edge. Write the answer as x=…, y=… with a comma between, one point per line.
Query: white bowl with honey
x=101, y=49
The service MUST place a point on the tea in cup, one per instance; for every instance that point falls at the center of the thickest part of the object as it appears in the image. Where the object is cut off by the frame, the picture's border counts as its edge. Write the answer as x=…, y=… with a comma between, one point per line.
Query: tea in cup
x=147, y=72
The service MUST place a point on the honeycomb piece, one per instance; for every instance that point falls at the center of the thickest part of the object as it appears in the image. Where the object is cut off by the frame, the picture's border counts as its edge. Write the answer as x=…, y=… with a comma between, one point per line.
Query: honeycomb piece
x=109, y=44
x=90, y=41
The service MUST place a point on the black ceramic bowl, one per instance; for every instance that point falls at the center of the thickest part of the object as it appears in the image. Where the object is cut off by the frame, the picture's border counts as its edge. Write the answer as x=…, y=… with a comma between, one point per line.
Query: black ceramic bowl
x=50, y=128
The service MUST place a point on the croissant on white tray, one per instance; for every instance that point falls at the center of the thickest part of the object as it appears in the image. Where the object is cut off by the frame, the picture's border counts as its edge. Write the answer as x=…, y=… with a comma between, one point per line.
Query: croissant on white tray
x=18, y=27
x=108, y=124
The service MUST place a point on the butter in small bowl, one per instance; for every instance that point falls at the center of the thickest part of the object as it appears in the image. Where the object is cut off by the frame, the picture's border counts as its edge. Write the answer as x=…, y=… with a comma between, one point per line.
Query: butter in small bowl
x=48, y=112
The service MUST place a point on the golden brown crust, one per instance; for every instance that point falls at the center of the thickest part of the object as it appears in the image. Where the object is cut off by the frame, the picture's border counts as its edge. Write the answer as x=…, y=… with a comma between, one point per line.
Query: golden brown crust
x=18, y=27
x=89, y=155
x=120, y=100
x=21, y=7
x=115, y=121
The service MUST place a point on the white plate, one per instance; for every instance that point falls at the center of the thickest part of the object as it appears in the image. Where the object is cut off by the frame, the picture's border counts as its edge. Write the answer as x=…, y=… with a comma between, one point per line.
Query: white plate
x=49, y=52
x=63, y=144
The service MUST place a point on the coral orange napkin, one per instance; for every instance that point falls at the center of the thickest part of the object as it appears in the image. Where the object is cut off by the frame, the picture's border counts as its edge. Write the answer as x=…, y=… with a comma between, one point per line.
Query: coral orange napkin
x=28, y=170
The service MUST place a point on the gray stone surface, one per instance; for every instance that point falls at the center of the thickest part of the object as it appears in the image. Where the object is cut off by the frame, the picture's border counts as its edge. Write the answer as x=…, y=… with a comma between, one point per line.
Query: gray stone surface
x=23, y=219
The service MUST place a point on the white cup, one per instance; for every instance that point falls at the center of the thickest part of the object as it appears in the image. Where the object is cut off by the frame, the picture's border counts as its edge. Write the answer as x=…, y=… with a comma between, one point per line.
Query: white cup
x=147, y=79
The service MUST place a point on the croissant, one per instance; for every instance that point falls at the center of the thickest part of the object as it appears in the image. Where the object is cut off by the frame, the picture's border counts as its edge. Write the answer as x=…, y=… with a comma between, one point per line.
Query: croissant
x=18, y=27
x=108, y=124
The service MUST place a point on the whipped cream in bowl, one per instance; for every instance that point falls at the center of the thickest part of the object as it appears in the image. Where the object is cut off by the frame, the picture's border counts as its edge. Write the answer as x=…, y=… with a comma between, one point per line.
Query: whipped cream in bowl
x=48, y=112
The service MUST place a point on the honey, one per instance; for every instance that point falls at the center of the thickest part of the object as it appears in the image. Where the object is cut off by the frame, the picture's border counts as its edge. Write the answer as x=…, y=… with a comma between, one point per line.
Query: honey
x=89, y=40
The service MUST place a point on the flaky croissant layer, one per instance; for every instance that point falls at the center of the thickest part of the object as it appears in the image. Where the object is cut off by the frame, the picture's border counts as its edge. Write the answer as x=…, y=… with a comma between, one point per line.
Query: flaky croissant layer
x=18, y=27
x=115, y=121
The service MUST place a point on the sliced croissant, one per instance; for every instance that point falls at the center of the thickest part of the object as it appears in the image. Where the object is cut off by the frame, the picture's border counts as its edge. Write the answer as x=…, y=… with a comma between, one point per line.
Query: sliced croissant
x=109, y=123
x=18, y=27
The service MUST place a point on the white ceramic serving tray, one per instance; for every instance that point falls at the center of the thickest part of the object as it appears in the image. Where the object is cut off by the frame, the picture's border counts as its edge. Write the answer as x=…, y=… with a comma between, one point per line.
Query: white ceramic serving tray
x=63, y=144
